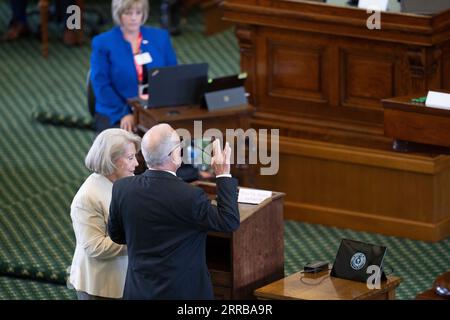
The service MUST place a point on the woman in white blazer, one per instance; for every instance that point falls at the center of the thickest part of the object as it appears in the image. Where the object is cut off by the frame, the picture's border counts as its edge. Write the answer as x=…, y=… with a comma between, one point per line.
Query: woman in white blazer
x=99, y=265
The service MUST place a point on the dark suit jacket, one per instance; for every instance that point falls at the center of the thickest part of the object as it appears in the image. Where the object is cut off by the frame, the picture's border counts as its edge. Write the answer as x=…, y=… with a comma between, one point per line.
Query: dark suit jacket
x=164, y=222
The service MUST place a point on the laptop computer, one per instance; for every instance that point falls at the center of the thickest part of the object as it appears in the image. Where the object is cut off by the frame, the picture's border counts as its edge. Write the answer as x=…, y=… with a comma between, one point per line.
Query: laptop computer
x=226, y=92
x=227, y=82
x=354, y=257
x=427, y=7
x=184, y=84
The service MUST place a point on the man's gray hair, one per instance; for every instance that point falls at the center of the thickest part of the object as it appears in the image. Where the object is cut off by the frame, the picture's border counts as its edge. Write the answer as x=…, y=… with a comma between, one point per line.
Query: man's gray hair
x=107, y=148
x=118, y=7
x=157, y=153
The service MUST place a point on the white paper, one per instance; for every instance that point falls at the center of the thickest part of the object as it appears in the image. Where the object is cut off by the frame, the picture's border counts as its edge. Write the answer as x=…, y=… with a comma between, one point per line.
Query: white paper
x=253, y=196
x=438, y=100
x=379, y=5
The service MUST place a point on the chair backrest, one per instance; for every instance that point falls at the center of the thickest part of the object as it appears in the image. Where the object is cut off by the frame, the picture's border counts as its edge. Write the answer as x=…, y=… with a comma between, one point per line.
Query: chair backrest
x=90, y=94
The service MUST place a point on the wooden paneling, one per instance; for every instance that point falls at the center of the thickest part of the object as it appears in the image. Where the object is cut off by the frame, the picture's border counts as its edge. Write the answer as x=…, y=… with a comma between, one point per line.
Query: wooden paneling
x=366, y=78
x=295, y=72
x=259, y=250
x=318, y=74
x=312, y=60
x=364, y=189
x=446, y=67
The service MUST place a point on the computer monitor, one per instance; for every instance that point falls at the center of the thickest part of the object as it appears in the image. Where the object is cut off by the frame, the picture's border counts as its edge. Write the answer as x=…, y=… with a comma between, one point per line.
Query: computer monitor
x=184, y=84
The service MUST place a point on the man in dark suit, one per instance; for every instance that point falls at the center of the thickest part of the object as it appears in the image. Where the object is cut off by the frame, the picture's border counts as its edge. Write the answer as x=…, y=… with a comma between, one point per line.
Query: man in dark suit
x=164, y=221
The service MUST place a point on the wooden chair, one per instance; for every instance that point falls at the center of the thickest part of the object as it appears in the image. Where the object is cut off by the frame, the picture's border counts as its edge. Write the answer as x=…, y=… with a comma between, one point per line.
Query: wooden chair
x=43, y=12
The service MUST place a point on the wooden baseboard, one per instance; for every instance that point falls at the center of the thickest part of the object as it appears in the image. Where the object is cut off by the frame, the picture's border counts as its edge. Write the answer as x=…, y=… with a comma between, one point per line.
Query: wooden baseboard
x=367, y=222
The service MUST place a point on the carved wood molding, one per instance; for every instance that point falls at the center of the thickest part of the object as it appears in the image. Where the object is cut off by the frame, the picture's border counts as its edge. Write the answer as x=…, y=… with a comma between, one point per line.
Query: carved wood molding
x=416, y=60
x=397, y=27
x=246, y=39
x=434, y=61
x=245, y=35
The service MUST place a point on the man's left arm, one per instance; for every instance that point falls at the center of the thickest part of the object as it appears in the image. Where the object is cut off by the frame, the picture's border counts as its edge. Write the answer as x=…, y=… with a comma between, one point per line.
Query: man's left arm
x=115, y=226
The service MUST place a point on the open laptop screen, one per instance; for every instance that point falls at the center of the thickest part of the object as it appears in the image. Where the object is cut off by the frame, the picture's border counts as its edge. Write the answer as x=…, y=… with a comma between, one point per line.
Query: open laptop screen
x=354, y=257
x=177, y=85
x=227, y=82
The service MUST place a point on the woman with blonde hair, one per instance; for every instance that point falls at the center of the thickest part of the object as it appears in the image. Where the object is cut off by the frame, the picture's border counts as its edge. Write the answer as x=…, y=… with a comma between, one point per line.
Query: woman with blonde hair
x=99, y=265
x=120, y=60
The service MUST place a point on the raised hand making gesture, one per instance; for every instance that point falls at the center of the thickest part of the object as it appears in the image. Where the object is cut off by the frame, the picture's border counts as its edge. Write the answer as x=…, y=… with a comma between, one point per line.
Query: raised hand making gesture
x=220, y=162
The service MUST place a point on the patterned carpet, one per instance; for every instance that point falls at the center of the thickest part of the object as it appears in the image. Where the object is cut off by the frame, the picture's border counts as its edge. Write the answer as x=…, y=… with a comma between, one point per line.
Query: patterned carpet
x=22, y=289
x=41, y=168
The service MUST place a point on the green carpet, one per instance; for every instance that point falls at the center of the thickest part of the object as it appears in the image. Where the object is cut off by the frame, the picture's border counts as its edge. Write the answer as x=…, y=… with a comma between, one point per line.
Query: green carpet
x=22, y=289
x=36, y=235
x=41, y=168
x=416, y=262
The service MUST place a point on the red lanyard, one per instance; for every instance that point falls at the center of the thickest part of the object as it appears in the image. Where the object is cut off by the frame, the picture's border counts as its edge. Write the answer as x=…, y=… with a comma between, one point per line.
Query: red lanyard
x=139, y=67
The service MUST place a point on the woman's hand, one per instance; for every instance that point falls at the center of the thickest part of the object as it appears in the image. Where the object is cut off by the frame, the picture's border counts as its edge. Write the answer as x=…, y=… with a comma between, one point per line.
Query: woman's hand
x=127, y=122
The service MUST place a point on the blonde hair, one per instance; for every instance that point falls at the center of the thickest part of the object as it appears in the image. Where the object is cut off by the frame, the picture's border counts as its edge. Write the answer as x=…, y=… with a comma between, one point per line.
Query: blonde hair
x=107, y=148
x=118, y=7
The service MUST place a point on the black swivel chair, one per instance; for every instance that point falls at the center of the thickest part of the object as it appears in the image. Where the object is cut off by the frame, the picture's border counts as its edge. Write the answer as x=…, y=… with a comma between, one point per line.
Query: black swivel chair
x=90, y=94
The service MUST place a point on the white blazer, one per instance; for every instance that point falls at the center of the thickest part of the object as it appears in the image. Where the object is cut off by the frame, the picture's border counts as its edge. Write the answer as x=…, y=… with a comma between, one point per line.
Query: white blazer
x=99, y=265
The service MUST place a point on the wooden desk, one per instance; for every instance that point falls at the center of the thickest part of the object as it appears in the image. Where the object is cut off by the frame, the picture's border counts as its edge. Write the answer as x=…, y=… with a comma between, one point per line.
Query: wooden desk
x=318, y=74
x=442, y=281
x=184, y=117
x=253, y=255
x=327, y=288
x=430, y=294
x=415, y=122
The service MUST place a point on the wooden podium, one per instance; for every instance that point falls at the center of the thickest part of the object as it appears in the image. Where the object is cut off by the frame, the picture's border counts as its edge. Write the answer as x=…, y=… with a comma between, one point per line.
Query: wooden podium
x=250, y=257
x=318, y=74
